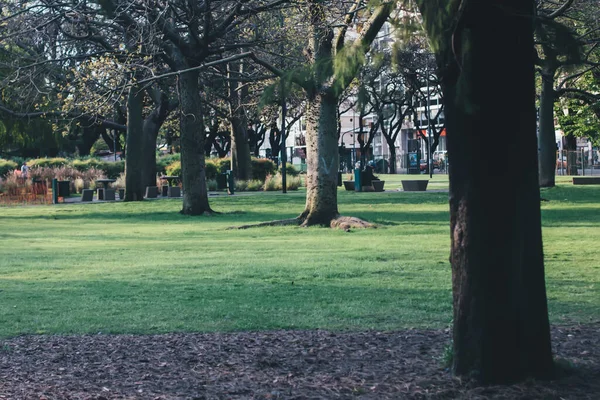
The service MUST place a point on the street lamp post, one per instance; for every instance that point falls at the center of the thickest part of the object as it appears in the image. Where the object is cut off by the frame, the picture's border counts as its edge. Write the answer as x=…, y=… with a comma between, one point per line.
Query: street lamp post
x=429, y=135
x=353, y=138
x=342, y=140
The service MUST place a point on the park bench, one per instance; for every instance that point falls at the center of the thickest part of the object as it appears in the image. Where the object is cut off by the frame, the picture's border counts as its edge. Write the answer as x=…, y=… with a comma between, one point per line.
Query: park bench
x=586, y=180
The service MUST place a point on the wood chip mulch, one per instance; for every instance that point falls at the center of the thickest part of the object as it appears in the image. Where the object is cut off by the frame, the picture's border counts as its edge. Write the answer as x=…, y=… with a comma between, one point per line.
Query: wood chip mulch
x=273, y=365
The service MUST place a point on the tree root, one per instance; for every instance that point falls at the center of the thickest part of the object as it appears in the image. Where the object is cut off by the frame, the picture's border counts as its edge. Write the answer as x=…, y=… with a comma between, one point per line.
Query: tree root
x=278, y=222
x=347, y=223
x=340, y=222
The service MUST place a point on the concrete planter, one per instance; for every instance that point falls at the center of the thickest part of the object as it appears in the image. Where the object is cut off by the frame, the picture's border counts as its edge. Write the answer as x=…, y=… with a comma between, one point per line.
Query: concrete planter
x=415, y=185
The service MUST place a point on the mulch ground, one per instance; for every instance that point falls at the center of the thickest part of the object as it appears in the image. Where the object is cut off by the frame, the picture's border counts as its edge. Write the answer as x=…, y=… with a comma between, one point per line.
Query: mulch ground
x=272, y=365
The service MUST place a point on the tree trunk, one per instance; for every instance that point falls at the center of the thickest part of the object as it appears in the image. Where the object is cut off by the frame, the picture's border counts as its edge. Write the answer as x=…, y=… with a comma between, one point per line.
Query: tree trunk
x=195, y=192
x=89, y=136
x=151, y=128
x=152, y=125
x=241, y=161
x=392, y=161
x=322, y=160
x=571, y=147
x=134, y=162
x=501, y=329
x=547, y=138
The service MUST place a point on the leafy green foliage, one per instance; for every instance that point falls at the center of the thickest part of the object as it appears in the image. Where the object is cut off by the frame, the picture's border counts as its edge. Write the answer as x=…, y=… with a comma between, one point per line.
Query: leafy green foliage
x=48, y=162
x=212, y=170
x=261, y=167
x=163, y=161
x=290, y=170
x=174, y=169
x=84, y=165
x=112, y=169
x=7, y=166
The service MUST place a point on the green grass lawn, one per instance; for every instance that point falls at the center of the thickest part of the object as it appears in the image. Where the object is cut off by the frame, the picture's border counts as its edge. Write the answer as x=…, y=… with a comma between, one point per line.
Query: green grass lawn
x=144, y=268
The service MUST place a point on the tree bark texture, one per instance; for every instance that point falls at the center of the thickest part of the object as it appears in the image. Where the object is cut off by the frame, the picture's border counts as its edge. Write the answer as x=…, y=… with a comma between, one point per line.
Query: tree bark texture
x=241, y=160
x=501, y=330
x=89, y=136
x=152, y=124
x=134, y=161
x=195, y=192
x=322, y=160
x=547, y=138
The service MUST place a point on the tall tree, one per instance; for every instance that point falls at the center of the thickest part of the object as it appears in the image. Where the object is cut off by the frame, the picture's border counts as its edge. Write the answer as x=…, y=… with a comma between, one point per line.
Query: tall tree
x=501, y=330
x=334, y=61
x=566, y=35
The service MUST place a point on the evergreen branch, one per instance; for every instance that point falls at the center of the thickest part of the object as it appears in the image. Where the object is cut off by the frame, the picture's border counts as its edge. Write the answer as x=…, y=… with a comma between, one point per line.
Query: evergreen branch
x=95, y=119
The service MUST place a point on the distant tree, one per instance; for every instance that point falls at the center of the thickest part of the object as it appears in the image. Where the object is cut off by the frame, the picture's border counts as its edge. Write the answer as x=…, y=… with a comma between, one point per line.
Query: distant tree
x=567, y=37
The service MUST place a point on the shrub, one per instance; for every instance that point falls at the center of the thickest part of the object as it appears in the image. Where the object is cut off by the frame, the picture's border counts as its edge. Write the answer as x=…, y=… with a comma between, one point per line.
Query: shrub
x=274, y=182
x=120, y=182
x=255, y=185
x=163, y=162
x=223, y=164
x=91, y=175
x=18, y=160
x=84, y=165
x=79, y=184
x=271, y=183
x=211, y=184
x=113, y=169
x=262, y=167
x=48, y=162
x=99, y=146
x=11, y=183
x=290, y=170
x=293, y=182
x=7, y=166
x=212, y=170
x=174, y=169
x=241, y=186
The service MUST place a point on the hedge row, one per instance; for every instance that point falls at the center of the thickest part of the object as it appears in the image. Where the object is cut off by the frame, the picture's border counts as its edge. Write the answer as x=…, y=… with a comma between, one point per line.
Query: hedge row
x=261, y=168
x=111, y=169
x=7, y=166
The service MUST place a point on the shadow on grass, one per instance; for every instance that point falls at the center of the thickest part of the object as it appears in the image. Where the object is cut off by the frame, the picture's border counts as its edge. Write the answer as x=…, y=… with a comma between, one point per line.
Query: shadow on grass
x=206, y=305
x=564, y=216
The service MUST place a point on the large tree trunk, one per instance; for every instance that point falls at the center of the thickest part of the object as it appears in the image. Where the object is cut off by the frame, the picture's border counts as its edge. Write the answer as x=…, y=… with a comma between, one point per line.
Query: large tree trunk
x=151, y=129
x=322, y=160
x=89, y=136
x=501, y=329
x=134, y=162
x=241, y=161
x=195, y=192
x=547, y=139
x=152, y=125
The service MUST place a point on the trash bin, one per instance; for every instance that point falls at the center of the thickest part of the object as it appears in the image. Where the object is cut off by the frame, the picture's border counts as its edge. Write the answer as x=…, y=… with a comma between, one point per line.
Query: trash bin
x=64, y=188
x=222, y=181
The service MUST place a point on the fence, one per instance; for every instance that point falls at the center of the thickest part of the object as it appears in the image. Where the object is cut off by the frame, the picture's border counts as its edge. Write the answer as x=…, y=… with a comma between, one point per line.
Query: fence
x=16, y=190
x=578, y=162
